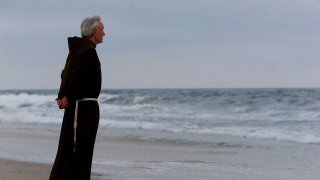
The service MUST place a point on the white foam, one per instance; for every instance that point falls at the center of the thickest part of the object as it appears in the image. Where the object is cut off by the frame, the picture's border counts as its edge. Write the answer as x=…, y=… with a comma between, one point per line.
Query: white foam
x=145, y=112
x=29, y=108
x=25, y=100
x=265, y=133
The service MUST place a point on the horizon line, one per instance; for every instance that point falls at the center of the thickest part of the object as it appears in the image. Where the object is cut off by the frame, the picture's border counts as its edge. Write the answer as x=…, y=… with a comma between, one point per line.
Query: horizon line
x=164, y=88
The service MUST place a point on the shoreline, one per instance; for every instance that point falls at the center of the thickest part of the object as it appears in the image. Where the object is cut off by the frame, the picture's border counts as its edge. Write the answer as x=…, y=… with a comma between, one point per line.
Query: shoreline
x=135, y=158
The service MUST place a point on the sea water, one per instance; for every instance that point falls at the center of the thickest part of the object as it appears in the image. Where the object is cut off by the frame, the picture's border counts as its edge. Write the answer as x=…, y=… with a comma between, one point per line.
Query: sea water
x=277, y=114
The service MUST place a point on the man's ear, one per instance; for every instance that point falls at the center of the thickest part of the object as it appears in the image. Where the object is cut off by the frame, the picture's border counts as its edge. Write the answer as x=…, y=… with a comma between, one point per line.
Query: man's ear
x=94, y=31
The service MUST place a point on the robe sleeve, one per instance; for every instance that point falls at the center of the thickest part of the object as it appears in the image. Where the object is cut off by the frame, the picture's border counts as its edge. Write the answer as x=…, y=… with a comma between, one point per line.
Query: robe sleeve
x=65, y=76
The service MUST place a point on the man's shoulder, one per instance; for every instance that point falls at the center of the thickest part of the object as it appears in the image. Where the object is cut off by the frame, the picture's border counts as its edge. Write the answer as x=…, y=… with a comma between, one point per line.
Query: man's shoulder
x=84, y=52
x=89, y=57
x=90, y=52
x=85, y=48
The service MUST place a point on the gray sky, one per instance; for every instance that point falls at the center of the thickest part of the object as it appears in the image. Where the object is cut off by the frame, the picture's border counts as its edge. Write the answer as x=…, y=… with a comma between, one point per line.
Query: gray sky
x=166, y=43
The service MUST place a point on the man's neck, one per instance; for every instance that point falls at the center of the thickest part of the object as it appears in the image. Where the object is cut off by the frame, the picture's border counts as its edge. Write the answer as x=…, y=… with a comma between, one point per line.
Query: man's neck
x=92, y=40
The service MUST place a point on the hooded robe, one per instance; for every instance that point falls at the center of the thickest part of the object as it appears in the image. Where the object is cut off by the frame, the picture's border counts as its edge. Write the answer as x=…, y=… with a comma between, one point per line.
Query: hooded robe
x=80, y=78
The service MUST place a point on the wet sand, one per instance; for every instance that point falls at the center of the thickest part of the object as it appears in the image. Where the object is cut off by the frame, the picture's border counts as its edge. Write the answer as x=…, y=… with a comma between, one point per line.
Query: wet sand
x=135, y=158
x=15, y=170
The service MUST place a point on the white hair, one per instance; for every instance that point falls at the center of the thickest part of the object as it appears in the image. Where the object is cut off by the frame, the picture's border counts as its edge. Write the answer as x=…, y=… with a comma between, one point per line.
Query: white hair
x=88, y=24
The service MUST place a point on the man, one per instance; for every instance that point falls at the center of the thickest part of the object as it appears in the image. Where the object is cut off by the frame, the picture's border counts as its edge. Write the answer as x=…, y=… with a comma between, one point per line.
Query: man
x=79, y=90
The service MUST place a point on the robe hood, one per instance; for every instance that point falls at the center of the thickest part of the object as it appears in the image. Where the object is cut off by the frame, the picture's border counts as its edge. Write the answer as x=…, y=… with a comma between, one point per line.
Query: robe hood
x=75, y=43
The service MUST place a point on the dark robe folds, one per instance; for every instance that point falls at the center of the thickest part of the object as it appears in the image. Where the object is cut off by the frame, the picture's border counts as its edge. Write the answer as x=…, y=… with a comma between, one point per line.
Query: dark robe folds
x=81, y=78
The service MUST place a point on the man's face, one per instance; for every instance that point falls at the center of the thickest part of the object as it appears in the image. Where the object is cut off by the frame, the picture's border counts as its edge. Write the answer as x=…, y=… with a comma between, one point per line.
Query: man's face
x=98, y=33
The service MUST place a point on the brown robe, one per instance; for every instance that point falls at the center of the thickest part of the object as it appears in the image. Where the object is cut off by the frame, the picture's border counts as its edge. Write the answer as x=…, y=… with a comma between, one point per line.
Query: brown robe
x=81, y=78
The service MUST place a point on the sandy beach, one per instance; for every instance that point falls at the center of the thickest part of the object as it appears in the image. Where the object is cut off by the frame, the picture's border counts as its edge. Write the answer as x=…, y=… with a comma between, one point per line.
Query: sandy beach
x=14, y=170
x=132, y=157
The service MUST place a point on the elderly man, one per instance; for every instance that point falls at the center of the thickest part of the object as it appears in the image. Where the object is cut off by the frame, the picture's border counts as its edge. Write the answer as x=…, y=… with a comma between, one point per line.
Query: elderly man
x=79, y=90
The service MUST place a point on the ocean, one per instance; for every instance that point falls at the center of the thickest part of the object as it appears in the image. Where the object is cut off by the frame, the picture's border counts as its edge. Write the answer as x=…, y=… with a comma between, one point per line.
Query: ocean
x=177, y=133
x=188, y=114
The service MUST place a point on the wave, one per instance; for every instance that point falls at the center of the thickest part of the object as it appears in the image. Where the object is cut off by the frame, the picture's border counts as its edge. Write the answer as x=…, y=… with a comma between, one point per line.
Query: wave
x=245, y=132
x=127, y=100
x=291, y=115
x=25, y=100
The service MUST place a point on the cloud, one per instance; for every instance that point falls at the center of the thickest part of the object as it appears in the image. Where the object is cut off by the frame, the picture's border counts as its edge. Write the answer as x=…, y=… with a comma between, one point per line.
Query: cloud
x=149, y=43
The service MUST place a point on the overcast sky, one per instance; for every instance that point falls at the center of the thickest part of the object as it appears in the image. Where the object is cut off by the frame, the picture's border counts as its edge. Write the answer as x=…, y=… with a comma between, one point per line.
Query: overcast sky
x=166, y=43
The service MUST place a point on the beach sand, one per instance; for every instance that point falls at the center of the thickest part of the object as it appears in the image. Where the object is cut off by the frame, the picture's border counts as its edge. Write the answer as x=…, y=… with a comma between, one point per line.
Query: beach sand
x=136, y=158
x=15, y=170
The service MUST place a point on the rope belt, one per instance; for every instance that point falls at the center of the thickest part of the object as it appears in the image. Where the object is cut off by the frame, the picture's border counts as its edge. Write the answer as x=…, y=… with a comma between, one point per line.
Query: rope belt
x=76, y=118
